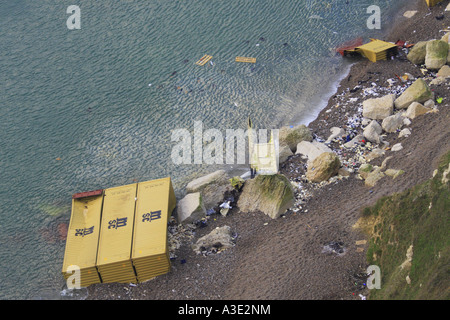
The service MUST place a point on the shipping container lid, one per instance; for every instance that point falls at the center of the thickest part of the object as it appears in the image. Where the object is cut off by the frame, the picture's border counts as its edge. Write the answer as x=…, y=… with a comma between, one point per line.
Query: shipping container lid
x=83, y=233
x=155, y=202
x=377, y=46
x=117, y=224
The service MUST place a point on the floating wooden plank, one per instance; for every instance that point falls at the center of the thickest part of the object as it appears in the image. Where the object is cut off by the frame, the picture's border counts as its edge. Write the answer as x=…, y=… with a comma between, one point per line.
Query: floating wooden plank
x=204, y=60
x=246, y=59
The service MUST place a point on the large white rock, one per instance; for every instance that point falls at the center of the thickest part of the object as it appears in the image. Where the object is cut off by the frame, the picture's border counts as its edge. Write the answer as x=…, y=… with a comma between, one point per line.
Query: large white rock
x=415, y=110
x=190, y=208
x=392, y=123
x=284, y=153
x=379, y=108
x=372, y=132
x=212, y=187
x=312, y=149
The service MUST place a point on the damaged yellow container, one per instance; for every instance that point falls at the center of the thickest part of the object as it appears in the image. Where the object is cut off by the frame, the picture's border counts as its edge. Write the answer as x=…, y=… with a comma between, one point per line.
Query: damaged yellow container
x=82, y=239
x=155, y=203
x=377, y=50
x=116, y=232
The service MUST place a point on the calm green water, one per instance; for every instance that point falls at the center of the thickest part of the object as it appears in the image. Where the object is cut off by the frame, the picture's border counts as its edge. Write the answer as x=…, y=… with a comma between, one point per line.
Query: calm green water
x=83, y=96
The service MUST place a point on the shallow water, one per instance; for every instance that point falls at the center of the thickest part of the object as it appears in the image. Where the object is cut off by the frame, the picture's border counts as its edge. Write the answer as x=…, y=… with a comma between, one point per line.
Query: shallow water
x=78, y=113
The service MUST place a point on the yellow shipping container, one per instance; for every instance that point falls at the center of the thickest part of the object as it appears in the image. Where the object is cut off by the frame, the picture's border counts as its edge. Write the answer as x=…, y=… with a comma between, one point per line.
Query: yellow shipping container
x=432, y=3
x=114, y=249
x=82, y=239
x=377, y=50
x=155, y=203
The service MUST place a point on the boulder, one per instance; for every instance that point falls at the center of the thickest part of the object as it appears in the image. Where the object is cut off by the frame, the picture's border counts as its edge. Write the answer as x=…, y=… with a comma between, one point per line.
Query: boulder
x=379, y=108
x=219, y=239
x=354, y=142
x=372, y=132
x=392, y=123
x=444, y=72
x=311, y=149
x=429, y=104
x=437, y=52
x=335, y=133
x=212, y=187
x=364, y=170
x=417, y=54
x=415, y=110
x=190, y=208
x=292, y=136
x=284, y=153
x=417, y=92
x=375, y=153
x=270, y=194
x=323, y=167
x=373, y=177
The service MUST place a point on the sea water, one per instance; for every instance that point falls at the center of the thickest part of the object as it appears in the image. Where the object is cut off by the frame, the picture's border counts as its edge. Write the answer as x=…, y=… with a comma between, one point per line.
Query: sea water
x=94, y=107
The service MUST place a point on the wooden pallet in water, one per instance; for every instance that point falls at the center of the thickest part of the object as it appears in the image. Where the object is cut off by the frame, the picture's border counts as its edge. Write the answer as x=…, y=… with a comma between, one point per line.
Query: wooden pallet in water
x=204, y=60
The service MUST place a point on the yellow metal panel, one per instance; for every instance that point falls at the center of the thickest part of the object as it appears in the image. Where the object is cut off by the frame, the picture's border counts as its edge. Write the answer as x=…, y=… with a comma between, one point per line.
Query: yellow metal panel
x=246, y=59
x=153, y=208
x=83, y=233
x=117, y=225
x=375, y=47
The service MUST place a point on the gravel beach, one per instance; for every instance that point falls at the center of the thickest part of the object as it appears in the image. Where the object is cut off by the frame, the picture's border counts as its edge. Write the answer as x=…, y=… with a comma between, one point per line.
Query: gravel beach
x=287, y=258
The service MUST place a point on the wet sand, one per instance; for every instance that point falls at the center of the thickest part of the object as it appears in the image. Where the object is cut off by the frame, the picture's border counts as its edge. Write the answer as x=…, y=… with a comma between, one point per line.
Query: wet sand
x=283, y=259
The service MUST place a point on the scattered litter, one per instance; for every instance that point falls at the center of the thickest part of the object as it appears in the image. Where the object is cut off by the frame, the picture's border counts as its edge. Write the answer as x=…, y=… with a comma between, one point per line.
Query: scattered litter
x=225, y=207
x=336, y=247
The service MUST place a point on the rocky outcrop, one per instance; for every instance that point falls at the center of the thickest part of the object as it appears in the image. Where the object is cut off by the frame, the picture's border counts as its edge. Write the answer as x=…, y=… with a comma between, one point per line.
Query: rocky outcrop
x=292, y=136
x=379, y=108
x=217, y=240
x=437, y=52
x=212, y=187
x=323, y=167
x=417, y=92
x=270, y=194
x=190, y=208
x=417, y=54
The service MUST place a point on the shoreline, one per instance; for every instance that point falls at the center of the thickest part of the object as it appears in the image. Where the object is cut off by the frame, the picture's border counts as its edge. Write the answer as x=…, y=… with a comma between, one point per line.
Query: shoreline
x=267, y=251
